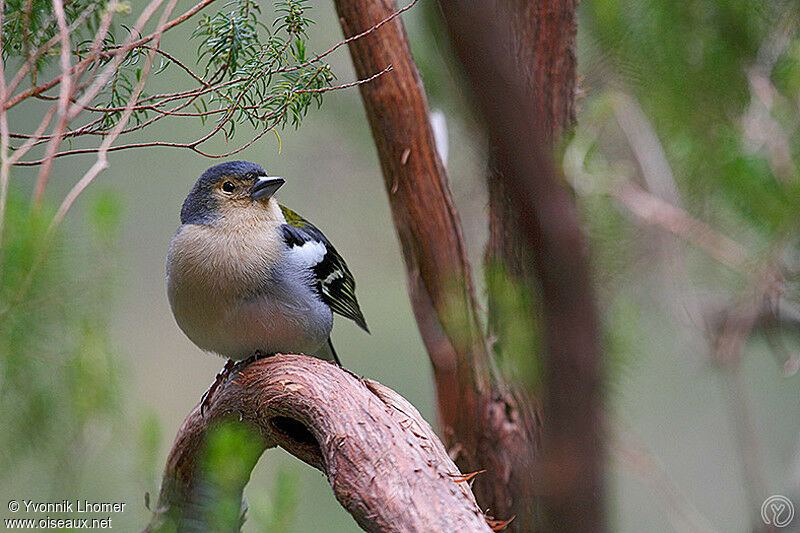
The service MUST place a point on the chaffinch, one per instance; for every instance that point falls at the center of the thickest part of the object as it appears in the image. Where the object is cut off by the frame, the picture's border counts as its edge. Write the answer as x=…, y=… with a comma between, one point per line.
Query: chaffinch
x=247, y=276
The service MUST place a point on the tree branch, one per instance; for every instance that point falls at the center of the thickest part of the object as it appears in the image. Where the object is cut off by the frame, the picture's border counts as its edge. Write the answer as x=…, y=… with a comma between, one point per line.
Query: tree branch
x=385, y=464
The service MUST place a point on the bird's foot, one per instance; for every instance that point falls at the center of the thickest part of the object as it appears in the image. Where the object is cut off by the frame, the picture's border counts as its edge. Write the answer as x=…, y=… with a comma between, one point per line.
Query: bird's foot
x=230, y=364
x=253, y=358
x=205, y=402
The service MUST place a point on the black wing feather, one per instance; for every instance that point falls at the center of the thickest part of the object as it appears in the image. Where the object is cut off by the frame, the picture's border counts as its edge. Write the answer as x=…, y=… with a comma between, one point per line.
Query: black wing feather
x=335, y=283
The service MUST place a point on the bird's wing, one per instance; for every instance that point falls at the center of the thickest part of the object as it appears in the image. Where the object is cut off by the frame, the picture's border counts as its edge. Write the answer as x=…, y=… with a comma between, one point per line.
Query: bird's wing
x=335, y=283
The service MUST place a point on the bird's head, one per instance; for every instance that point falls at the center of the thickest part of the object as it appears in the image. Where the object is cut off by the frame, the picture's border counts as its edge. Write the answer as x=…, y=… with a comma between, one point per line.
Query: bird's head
x=231, y=191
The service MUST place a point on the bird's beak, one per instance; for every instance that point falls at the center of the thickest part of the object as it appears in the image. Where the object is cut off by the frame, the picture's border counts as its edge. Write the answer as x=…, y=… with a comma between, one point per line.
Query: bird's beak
x=265, y=187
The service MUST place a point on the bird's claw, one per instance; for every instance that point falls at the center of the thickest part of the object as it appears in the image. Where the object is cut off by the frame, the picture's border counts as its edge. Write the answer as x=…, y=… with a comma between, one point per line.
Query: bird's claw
x=205, y=402
x=230, y=364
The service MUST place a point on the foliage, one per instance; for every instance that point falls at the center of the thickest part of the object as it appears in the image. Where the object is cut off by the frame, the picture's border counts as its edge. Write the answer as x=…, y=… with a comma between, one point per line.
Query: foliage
x=276, y=510
x=698, y=70
x=697, y=105
x=230, y=451
x=511, y=315
x=148, y=453
x=59, y=377
x=718, y=84
x=264, y=92
x=29, y=24
x=261, y=81
x=254, y=72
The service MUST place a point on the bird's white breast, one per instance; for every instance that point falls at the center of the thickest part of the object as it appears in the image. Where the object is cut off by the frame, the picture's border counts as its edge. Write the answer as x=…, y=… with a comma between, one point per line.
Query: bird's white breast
x=237, y=289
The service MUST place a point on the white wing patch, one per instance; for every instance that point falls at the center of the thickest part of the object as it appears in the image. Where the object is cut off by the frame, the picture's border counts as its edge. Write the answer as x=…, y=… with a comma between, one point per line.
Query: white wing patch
x=309, y=253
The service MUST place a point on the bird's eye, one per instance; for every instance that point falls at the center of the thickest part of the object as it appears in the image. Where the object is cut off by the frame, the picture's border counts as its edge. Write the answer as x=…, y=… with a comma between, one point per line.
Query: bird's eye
x=228, y=186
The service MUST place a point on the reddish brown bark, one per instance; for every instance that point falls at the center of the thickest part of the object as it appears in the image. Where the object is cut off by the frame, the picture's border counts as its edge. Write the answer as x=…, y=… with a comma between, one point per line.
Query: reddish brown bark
x=384, y=463
x=541, y=40
x=485, y=425
x=426, y=219
x=570, y=472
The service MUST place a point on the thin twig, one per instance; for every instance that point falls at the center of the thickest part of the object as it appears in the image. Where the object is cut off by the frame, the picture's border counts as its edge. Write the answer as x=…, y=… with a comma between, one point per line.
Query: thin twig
x=190, y=96
x=5, y=162
x=350, y=39
x=634, y=456
x=38, y=53
x=643, y=140
x=194, y=144
x=100, y=164
x=63, y=103
x=655, y=211
x=347, y=85
x=55, y=81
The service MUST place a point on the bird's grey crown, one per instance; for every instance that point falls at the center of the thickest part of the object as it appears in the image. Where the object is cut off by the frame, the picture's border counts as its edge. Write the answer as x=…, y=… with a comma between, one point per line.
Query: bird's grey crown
x=200, y=206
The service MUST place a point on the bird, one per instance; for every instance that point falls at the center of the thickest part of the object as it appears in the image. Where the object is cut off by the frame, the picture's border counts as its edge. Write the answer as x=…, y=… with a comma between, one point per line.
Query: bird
x=248, y=277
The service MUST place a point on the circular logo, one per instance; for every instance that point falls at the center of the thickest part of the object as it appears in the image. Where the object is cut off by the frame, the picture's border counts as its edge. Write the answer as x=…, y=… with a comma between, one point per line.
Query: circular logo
x=777, y=511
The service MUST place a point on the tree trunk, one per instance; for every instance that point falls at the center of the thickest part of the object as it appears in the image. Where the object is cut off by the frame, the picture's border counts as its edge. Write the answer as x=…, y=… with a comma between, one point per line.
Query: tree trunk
x=570, y=471
x=541, y=41
x=384, y=462
x=485, y=424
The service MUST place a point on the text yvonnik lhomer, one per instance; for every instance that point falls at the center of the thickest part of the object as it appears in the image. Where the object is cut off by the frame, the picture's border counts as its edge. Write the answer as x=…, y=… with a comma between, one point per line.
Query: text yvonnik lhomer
x=72, y=506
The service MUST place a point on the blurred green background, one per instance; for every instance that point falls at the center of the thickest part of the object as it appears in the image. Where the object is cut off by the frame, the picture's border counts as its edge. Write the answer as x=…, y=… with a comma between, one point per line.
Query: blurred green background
x=97, y=377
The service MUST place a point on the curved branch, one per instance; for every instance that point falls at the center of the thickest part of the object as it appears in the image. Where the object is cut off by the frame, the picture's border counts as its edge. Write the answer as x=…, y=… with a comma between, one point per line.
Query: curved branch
x=385, y=464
